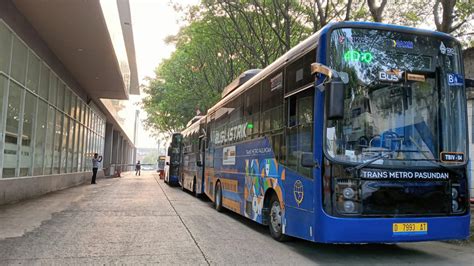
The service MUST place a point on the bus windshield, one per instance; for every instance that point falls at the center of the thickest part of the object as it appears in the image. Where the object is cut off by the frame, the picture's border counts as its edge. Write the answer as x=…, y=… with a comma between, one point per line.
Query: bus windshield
x=404, y=99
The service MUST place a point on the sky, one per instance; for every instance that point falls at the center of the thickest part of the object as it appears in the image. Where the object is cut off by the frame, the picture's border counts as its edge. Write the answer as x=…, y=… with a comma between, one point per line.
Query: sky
x=152, y=22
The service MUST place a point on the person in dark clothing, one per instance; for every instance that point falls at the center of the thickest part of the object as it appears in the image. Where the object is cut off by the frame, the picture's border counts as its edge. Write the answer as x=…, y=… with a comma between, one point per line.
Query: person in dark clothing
x=95, y=166
x=138, y=167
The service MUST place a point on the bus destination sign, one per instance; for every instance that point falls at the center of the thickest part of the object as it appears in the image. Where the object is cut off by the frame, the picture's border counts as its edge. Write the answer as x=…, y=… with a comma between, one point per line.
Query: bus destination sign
x=402, y=174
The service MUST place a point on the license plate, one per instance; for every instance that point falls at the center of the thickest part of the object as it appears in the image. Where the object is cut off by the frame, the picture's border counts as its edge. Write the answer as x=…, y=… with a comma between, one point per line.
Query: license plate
x=410, y=228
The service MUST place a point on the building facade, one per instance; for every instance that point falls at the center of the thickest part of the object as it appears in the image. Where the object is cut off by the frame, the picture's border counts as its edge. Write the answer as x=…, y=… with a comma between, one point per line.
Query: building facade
x=57, y=60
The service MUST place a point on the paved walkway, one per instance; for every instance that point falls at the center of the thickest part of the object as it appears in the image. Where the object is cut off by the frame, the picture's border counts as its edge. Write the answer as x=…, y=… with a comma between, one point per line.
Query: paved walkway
x=121, y=220
x=140, y=220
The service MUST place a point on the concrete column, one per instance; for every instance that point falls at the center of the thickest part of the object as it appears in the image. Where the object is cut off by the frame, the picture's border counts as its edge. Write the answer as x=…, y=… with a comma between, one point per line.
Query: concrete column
x=119, y=150
x=125, y=155
x=108, y=148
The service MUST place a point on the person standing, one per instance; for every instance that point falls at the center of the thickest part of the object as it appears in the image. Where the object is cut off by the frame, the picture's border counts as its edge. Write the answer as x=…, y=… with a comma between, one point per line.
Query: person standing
x=95, y=166
x=138, y=167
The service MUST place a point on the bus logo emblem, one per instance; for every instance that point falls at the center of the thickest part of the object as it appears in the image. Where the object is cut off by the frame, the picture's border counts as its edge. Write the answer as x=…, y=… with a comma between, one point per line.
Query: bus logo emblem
x=298, y=192
x=442, y=48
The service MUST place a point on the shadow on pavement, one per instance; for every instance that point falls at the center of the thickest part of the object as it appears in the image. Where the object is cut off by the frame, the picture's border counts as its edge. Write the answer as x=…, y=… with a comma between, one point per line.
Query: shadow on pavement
x=351, y=253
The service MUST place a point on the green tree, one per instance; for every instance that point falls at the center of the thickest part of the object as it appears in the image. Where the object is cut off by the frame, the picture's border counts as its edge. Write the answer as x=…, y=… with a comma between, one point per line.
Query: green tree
x=226, y=37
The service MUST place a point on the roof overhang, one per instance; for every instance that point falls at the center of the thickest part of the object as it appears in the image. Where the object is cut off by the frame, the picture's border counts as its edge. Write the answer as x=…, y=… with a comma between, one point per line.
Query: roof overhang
x=77, y=33
x=127, y=29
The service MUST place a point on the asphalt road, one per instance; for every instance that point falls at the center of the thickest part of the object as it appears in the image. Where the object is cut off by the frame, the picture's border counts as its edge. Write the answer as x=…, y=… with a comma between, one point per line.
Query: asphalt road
x=133, y=220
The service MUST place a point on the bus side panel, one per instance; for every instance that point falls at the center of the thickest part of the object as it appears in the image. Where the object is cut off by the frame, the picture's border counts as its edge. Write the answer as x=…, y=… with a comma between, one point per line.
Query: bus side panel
x=299, y=207
x=227, y=172
x=188, y=170
x=200, y=180
x=247, y=171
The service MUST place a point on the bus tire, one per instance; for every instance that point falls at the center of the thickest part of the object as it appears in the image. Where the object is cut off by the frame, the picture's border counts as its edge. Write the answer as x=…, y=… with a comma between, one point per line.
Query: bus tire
x=218, y=198
x=275, y=220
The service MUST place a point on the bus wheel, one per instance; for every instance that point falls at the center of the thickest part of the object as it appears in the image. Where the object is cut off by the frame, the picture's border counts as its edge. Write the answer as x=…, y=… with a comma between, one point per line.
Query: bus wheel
x=218, y=198
x=276, y=224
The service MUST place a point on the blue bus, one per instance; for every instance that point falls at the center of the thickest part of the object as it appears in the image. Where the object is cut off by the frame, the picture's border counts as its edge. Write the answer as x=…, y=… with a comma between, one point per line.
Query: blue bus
x=192, y=157
x=174, y=153
x=356, y=135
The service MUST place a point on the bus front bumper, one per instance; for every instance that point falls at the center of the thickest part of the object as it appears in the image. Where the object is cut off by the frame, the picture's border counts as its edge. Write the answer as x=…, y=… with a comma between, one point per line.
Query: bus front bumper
x=380, y=230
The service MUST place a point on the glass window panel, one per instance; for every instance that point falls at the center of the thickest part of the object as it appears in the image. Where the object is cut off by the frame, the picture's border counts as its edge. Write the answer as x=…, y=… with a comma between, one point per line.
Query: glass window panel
x=49, y=149
x=84, y=150
x=41, y=126
x=11, y=131
x=67, y=104
x=272, y=107
x=77, y=147
x=53, y=88
x=61, y=98
x=72, y=109
x=32, y=80
x=29, y=116
x=44, y=82
x=3, y=86
x=70, y=148
x=19, y=60
x=83, y=112
x=64, y=144
x=78, y=109
x=88, y=145
x=91, y=119
x=88, y=116
x=57, y=142
x=5, y=48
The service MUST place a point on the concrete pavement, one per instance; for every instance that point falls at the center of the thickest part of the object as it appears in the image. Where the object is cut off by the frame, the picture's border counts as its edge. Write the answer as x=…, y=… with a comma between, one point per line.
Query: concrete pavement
x=134, y=220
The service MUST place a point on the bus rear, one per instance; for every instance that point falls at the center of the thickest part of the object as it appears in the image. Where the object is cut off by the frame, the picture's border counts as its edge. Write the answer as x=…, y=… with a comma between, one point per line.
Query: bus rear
x=394, y=136
x=174, y=153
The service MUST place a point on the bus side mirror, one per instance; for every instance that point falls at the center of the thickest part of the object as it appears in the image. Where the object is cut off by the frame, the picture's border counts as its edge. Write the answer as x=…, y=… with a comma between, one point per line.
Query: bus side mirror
x=199, y=163
x=335, y=99
x=167, y=163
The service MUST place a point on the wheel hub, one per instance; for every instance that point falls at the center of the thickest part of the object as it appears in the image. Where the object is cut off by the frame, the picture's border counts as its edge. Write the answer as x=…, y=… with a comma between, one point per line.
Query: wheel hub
x=275, y=217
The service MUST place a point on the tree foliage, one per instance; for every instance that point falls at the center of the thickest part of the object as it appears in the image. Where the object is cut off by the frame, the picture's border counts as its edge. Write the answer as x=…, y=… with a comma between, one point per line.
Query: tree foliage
x=226, y=37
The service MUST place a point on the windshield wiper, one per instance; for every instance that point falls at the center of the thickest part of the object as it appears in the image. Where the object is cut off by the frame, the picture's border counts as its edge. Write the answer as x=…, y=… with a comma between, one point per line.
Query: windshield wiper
x=356, y=168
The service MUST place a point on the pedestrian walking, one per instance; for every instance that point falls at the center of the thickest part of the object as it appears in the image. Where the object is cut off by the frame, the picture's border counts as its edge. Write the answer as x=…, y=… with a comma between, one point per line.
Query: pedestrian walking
x=138, y=167
x=95, y=166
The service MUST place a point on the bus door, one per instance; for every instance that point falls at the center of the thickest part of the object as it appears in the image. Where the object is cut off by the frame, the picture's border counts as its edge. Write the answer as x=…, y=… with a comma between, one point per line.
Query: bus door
x=200, y=163
x=299, y=179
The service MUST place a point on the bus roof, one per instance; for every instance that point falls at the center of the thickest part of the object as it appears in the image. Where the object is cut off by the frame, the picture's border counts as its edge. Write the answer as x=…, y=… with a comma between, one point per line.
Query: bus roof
x=312, y=42
x=194, y=126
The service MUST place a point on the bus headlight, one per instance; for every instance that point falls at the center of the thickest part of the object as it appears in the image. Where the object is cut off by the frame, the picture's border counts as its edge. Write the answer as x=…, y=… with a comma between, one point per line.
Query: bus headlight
x=347, y=196
x=349, y=206
x=454, y=193
x=348, y=193
x=455, y=206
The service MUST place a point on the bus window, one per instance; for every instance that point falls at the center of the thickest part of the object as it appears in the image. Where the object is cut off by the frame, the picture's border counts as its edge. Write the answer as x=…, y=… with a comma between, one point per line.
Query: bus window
x=272, y=106
x=298, y=74
x=252, y=111
x=299, y=131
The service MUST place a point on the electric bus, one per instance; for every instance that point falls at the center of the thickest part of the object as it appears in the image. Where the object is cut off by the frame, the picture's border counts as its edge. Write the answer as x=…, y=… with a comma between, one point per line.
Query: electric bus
x=174, y=153
x=356, y=135
x=192, y=164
